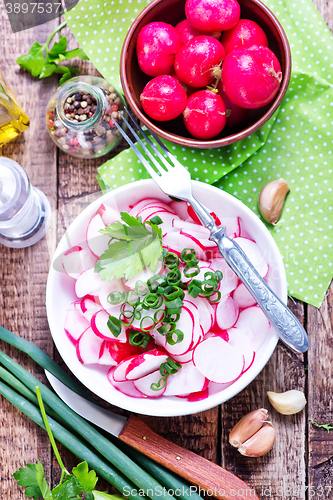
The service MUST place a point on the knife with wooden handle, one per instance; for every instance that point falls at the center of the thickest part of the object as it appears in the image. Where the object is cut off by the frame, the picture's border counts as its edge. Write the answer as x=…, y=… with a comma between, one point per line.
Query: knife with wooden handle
x=199, y=471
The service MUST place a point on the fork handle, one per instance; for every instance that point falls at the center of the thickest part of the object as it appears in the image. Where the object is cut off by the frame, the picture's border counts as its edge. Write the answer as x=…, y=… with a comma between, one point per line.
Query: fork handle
x=281, y=318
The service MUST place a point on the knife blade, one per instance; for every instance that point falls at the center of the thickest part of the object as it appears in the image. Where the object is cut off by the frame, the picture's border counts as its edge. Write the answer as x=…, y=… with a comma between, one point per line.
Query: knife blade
x=199, y=471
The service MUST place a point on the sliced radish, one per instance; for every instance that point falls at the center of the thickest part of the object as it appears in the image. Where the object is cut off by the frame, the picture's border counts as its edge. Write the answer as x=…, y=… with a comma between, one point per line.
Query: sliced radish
x=177, y=242
x=108, y=214
x=232, y=226
x=89, y=306
x=243, y=297
x=96, y=241
x=198, y=396
x=77, y=259
x=88, y=283
x=242, y=343
x=119, y=375
x=226, y=312
x=75, y=324
x=126, y=387
x=143, y=385
x=181, y=209
x=253, y=253
x=145, y=363
x=197, y=331
x=253, y=322
x=186, y=380
x=183, y=358
x=99, y=325
x=88, y=347
x=105, y=357
x=149, y=203
x=120, y=351
x=218, y=361
x=230, y=280
x=191, y=227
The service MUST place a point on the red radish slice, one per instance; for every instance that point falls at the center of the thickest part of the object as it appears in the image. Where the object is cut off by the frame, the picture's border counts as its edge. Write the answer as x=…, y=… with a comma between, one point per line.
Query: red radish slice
x=105, y=357
x=203, y=243
x=88, y=347
x=226, y=312
x=89, y=307
x=230, y=280
x=99, y=325
x=75, y=324
x=108, y=214
x=96, y=241
x=253, y=253
x=145, y=363
x=198, y=396
x=232, y=226
x=126, y=387
x=241, y=342
x=88, y=283
x=243, y=297
x=191, y=227
x=149, y=319
x=186, y=380
x=218, y=361
x=186, y=325
x=181, y=209
x=159, y=338
x=119, y=375
x=217, y=332
x=143, y=385
x=206, y=314
x=253, y=323
x=148, y=202
x=120, y=351
x=184, y=358
x=76, y=260
x=177, y=242
x=197, y=331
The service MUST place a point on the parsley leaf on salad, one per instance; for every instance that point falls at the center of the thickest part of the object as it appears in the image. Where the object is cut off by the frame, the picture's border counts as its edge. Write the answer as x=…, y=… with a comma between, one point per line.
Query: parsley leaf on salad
x=133, y=246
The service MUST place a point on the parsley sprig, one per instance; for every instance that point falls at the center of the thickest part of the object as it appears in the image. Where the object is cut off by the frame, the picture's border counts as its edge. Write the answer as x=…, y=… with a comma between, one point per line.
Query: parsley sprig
x=71, y=485
x=133, y=246
x=43, y=62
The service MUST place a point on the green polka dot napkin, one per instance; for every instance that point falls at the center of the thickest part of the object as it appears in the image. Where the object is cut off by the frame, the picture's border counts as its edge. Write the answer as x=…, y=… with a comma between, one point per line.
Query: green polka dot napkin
x=296, y=143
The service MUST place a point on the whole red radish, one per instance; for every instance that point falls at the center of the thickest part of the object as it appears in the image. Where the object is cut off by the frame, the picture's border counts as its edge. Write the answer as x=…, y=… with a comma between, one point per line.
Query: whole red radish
x=235, y=114
x=204, y=115
x=156, y=48
x=212, y=15
x=163, y=98
x=251, y=77
x=245, y=34
x=198, y=63
x=186, y=32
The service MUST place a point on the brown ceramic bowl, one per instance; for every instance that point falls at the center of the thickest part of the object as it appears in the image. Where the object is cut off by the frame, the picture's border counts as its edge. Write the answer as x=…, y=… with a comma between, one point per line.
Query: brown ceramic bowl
x=172, y=11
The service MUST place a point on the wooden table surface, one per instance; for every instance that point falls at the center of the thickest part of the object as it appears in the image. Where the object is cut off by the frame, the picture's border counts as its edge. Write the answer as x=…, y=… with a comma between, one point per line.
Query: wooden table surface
x=300, y=464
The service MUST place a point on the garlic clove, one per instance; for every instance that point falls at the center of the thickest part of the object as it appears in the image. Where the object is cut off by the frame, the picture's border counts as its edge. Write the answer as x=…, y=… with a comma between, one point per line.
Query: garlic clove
x=247, y=426
x=287, y=403
x=271, y=200
x=260, y=443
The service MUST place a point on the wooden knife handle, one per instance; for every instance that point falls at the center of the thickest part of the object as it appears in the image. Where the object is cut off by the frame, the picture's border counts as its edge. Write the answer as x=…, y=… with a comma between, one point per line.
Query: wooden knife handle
x=199, y=471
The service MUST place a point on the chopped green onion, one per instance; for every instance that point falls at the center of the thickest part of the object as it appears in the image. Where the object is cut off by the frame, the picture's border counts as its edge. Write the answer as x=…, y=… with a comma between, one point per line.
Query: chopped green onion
x=153, y=300
x=114, y=325
x=174, y=277
x=190, y=274
x=171, y=292
x=160, y=384
x=155, y=281
x=169, y=367
x=156, y=220
x=138, y=338
x=167, y=328
x=147, y=323
x=171, y=260
x=217, y=299
x=170, y=338
x=114, y=298
x=130, y=301
x=141, y=288
x=187, y=255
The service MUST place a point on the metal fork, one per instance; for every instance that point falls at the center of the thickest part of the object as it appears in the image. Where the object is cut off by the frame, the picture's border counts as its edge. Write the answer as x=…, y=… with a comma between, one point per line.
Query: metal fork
x=175, y=180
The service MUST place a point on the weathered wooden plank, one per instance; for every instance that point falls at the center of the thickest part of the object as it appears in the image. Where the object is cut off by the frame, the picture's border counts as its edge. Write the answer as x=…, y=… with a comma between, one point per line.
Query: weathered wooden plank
x=23, y=272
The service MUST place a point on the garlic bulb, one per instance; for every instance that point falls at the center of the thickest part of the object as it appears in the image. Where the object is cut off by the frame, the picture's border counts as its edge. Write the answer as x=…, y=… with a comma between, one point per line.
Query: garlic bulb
x=271, y=200
x=253, y=436
x=287, y=403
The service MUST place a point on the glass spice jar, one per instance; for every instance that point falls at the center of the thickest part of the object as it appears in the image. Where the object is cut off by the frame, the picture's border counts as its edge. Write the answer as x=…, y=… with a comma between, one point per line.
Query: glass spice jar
x=79, y=116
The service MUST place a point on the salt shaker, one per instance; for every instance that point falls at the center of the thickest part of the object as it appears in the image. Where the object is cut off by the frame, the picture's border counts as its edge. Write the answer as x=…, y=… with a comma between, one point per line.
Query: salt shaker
x=24, y=210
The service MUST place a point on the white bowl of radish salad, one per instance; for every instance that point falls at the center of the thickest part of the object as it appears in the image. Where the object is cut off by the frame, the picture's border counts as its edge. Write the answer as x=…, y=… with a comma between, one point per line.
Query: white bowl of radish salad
x=177, y=336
